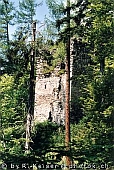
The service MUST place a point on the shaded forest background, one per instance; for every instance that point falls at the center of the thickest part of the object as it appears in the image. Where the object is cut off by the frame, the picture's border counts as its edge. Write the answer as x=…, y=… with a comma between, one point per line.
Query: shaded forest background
x=92, y=102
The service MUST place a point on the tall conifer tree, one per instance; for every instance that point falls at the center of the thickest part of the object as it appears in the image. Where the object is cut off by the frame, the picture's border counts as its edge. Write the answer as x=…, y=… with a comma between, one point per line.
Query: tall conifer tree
x=6, y=19
x=26, y=14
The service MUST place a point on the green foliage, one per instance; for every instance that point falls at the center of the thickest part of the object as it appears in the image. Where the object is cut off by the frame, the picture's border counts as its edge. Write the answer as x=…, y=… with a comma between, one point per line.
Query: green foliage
x=6, y=19
x=92, y=141
x=46, y=143
x=93, y=90
x=20, y=56
x=14, y=100
x=56, y=8
x=53, y=55
x=58, y=54
x=100, y=30
x=92, y=103
x=26, y=12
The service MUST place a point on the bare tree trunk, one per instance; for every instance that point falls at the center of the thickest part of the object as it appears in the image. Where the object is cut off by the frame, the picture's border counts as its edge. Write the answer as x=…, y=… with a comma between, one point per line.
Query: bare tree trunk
x=31, y=95
x=67, y=105
x=7, y=26
x=27, y=133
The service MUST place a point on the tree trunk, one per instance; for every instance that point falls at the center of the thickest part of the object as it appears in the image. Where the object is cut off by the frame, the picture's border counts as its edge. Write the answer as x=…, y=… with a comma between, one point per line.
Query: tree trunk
x=67, y=105
x=31, y=95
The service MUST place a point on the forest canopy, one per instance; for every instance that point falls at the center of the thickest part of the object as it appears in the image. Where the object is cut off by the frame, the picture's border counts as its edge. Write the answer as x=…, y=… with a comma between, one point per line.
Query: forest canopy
x=92, y=92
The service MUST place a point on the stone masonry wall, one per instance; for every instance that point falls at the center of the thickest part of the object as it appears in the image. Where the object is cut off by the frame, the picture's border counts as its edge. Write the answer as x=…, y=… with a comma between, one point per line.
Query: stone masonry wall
x=49, y=97
x=50, y=93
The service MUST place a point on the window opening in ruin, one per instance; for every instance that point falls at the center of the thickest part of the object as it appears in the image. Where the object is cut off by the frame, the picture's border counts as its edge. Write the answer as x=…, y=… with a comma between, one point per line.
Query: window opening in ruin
x=62, y=65
x=50, y=117
x=45, y=86
x=59, y=88
x=47, y=75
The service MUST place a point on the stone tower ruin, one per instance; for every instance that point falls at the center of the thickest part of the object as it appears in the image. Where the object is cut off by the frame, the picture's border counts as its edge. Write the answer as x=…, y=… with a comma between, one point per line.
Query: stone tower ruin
x=50, y=89
x=49, y=95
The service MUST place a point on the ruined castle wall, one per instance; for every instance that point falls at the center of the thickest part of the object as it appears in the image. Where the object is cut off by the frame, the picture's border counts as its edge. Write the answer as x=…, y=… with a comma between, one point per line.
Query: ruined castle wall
x=50, y=93
x=49, y=98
